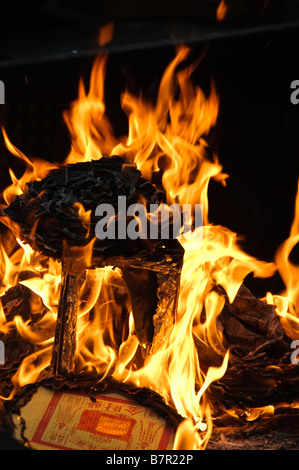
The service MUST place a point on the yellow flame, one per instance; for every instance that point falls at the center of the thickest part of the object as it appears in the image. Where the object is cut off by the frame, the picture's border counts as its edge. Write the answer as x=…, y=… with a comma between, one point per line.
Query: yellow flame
x=287, y=303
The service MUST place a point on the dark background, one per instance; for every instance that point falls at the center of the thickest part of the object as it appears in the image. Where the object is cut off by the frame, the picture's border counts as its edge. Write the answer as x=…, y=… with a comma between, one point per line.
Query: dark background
x=252, y=57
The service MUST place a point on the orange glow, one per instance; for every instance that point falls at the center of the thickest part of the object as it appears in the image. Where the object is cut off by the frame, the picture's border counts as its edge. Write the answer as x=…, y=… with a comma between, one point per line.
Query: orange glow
x=221, y=11
x=287, y=303
x=255, y=413
x=186, y=437
x=106, y=34
x=91, y=132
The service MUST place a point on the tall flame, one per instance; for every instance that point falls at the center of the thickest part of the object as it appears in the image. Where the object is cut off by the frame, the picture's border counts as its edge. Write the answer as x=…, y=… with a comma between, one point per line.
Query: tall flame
x=287, y=303
x=221, y=10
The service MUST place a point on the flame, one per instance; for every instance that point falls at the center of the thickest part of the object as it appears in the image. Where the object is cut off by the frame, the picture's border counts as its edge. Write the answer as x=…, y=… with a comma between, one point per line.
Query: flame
x=287, y=303
x=106, y=34
x=221, y=10
x=173, y=133
x=84, y=217
x=169, y=137
x=90, y=130
x=253, y=414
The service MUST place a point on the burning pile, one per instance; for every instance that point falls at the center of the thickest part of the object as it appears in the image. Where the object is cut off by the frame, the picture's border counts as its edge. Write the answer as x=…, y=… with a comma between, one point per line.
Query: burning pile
x=59, y=211
x=174, y=319
x=53, y=217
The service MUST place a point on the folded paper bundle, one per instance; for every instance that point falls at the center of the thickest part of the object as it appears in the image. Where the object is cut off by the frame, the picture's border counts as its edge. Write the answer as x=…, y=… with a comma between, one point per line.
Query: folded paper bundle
x=59, y=211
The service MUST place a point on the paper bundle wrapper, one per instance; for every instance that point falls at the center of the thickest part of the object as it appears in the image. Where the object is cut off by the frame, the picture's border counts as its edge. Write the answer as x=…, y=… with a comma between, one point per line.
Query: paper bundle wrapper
x=59, y=420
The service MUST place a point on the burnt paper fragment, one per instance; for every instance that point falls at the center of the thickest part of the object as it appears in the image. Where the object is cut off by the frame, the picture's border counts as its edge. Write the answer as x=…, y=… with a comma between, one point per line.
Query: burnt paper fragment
x=46, y=212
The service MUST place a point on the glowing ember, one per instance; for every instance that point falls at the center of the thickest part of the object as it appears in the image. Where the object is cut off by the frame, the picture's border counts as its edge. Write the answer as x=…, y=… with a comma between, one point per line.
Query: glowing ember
x=221, y=10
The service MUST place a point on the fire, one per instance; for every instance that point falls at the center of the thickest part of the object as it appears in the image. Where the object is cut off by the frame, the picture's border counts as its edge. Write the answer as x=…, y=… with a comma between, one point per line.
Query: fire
x=169, y=137
x=221, y=10
x=288, y=302
x=90, y=130
x=106, y=34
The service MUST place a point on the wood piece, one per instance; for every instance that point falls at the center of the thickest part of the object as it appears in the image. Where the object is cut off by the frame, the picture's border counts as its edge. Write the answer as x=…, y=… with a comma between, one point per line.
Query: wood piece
x=65, y=340
x=164, y=318
x=142, y=288
x=165, y=259
x=142, y=274
x=153, y=282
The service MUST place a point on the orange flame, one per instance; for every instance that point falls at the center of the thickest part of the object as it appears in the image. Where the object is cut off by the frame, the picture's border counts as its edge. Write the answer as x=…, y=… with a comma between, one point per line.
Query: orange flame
x=221, y=11
x=106, y=34
x=287, y=303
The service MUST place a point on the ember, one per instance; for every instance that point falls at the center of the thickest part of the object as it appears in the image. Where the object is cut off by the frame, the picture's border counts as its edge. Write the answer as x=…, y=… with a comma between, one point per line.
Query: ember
x=168, y=322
